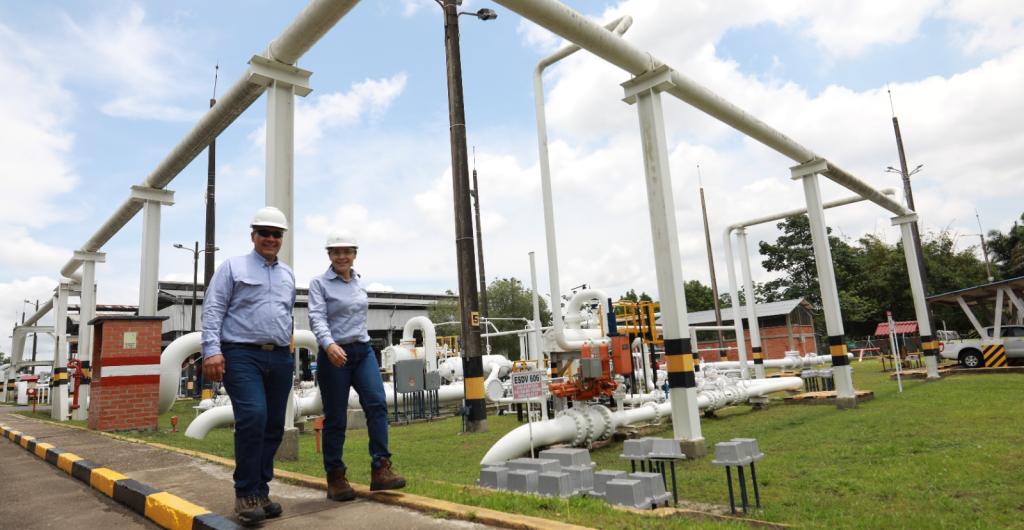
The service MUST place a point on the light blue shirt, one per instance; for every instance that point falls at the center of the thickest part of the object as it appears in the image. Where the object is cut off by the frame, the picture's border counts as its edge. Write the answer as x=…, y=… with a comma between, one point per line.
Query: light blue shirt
x=250, y=301
x=337, y=309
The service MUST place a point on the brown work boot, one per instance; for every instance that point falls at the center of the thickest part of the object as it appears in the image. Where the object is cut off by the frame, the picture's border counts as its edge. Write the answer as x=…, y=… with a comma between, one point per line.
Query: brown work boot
x=338, y=488
x=383, y=478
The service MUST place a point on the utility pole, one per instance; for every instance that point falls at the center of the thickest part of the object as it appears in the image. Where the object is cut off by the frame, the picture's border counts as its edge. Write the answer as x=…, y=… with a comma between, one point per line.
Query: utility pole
x=711, y=268
x=472, y=362
x=34, y=337
x=984, y=248
x=479, y=241
x=908, y=194
x=211, y=210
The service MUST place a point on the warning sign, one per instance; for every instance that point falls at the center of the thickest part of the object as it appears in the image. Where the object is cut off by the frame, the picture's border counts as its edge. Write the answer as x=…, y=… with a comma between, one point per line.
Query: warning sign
x=527, y=385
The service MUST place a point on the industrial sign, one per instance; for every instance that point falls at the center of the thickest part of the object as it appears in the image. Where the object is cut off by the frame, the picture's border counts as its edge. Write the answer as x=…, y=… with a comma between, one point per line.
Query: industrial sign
x=528, y=385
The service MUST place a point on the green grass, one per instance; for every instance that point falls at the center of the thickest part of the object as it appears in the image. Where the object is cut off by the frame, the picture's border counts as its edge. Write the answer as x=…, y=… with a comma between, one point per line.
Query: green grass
x=947, y=454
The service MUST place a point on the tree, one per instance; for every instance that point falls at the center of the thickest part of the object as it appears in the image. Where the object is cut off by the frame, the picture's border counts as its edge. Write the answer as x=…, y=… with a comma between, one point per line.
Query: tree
x=1007, y=250
x=506, y=298
x=698, y=296
x=871, y=275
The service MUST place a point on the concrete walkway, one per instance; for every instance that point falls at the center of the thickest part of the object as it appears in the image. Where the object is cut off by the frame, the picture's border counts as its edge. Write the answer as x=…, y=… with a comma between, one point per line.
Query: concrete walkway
x=196, y=480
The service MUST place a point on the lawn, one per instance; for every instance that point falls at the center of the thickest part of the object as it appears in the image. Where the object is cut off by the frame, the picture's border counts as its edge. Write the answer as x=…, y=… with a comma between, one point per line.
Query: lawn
x=945, y=454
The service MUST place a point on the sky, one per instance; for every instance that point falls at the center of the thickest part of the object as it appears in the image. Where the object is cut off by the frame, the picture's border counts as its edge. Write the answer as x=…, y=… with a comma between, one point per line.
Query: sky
x=96, y=93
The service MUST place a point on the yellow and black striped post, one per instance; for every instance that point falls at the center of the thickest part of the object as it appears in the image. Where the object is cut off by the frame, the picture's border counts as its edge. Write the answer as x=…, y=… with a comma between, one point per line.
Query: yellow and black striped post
x=680, y=358
x=837, y=348
x=758, y=356
x=994, y=355
x=930, y=346
x=473, y=369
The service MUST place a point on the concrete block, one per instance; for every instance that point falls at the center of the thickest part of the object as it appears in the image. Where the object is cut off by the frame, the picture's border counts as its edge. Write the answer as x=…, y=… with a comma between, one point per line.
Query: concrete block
x=636, y=449
x=750, y=446
x=568, y=456
x=522, y=480
x=603, y=477
x=540, y=465
x=666, y=448
x=581, y=477
x=626, y=492
x=495, y=477
x=554, y=484
x=654, y=487
x=731, y=454
x=356, y=419
x=289, y=448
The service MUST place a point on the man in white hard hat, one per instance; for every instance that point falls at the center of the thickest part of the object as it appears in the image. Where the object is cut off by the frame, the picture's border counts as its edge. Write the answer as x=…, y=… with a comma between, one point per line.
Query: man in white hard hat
x=247, y=331
x=338, y=307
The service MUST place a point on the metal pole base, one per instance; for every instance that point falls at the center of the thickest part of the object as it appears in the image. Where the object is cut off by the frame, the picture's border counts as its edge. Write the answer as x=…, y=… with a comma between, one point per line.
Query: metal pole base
x=476, y=426
x=931, y=363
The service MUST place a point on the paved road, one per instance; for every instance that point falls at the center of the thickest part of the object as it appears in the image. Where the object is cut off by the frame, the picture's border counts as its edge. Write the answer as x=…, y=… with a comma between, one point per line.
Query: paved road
x=34, y=494
x=193, y=479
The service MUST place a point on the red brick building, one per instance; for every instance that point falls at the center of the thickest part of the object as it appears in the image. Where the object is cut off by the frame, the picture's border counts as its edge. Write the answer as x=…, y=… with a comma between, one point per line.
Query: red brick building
x=784, y=325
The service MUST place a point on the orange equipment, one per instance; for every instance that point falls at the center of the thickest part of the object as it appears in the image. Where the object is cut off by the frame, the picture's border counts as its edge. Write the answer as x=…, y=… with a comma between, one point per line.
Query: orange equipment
x=586, y=388
x=622, y=357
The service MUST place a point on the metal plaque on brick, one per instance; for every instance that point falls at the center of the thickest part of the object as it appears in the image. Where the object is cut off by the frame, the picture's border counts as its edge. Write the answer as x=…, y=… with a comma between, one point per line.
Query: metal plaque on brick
x=528, y=385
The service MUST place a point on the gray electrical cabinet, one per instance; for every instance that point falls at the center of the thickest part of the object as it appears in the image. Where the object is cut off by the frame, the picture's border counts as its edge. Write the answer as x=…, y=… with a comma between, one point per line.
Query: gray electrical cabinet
x=432, y=381
x=409, y=375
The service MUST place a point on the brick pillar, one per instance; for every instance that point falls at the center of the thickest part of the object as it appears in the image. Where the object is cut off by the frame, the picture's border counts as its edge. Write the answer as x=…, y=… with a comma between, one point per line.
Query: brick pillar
x=125, y=373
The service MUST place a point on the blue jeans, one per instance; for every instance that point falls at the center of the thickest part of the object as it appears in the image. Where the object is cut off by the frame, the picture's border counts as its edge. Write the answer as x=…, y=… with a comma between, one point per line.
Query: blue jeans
x=362, y=373
x=258, y=383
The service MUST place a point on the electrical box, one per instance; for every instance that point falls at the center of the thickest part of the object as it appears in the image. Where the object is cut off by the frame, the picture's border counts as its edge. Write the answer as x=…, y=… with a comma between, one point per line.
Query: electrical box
x=432, y=381
x=409, y=375
x=590, y=368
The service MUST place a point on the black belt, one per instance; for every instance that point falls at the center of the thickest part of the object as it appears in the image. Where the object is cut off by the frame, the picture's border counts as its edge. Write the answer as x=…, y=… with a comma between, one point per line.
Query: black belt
x=264, y=347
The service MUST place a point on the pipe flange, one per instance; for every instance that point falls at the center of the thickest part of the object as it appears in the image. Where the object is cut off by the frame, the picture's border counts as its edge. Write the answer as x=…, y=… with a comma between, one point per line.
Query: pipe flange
x=581, y=426
x=606, y=415
x=655, y=410
x=589, y=425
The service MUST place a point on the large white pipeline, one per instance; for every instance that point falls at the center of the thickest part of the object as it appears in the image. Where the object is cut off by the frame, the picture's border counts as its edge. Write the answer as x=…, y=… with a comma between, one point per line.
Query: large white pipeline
x=451, y=368
x=792, y=361
x=187, y=345
x=307, y=405
x=596, y=422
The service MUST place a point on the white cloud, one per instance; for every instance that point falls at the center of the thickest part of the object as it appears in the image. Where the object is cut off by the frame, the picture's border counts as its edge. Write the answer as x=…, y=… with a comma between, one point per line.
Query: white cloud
x=24, y=252
x=141, y=63
x=993, y=25
x=368, y=99
x=34, y=145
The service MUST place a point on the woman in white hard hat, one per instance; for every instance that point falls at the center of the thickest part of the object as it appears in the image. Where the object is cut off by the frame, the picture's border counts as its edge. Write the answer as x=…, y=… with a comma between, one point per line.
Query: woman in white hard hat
x=338, y=307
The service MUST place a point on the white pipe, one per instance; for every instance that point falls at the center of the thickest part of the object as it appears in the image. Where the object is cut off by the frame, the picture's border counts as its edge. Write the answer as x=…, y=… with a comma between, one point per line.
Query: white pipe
x=185, y=346
x=536, y=354
x=576, y=28
x=597, y=422
x=307, y=405
x=429, y=338
x=748, y=288
x=309, y=26
x=620, y=26
x=789, y=362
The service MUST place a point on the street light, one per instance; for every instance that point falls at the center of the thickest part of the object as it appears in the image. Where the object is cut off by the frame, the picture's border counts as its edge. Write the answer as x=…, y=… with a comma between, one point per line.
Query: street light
x=195, y=275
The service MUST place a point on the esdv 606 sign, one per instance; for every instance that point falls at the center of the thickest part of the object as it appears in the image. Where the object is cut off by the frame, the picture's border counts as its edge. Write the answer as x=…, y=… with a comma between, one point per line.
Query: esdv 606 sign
x=527, y=385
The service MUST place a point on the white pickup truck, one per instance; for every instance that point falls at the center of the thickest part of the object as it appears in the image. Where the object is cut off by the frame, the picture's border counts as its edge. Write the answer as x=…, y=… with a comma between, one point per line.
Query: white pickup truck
x=970, y=353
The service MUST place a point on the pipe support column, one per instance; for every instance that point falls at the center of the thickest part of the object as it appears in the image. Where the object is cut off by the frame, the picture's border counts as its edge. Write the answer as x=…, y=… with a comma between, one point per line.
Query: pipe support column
x=149, y=270
x=59, y=406
x=645, y=91
x=87, y=311
x=924, y=323
x=283, y=83
x=842, y=372
x=748, y=288
x=734, y=297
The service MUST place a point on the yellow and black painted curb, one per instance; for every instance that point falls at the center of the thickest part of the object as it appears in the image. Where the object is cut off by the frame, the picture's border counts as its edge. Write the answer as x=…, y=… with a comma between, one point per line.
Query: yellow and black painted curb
x=164, y=509
x=994, y=355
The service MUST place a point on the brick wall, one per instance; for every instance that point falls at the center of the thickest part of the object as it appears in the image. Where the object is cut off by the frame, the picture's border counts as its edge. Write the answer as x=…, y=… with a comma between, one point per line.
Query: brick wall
x=126, y=379
x=774, y=343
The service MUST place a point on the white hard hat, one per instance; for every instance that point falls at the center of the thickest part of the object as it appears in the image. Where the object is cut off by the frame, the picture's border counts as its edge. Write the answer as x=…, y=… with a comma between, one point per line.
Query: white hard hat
x=340, y=238
x=269, y=216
